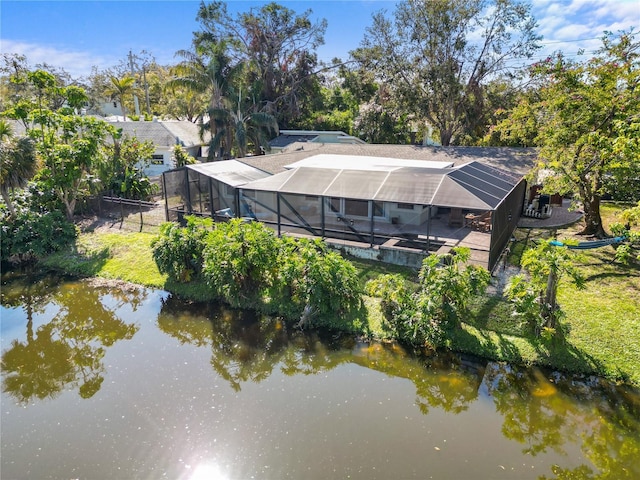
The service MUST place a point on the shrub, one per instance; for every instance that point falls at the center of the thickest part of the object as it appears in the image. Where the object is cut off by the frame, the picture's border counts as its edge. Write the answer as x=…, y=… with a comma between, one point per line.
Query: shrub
x=246, y=265
x=423, y=318
x=177, y=251
x=33, y=233
x=239, y=261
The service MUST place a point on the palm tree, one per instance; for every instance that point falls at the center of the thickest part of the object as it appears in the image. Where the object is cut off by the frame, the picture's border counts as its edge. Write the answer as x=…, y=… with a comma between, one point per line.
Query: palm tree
x=209, y=70
x=242, y=126
x=18, y=164
x=6, y=130
x=119, y=88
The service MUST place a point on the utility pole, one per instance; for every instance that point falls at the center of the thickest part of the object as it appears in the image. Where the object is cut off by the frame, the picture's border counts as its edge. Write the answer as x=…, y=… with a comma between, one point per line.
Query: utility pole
x=146, y=88
x=135, y=97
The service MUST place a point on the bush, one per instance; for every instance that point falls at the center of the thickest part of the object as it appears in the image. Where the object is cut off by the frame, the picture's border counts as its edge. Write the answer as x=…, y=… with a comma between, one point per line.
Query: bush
x=177, y=251
x=425, y=317
x=239, y=262
x=246, y=265
x=33, y=232
x=314, y=283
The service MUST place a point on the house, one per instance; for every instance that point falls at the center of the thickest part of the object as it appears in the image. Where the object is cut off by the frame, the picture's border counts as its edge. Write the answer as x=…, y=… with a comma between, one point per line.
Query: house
x=289, y=140
x=164, y=135
x=397, y=206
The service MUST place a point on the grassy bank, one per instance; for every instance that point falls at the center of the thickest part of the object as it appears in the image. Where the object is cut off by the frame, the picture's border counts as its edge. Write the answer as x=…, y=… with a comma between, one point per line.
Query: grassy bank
x=601, y=331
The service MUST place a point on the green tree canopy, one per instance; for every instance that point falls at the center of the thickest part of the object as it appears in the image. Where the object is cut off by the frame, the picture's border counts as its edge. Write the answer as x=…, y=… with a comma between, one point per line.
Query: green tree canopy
x=586, y=116
x=429, y=55
x=277, y=44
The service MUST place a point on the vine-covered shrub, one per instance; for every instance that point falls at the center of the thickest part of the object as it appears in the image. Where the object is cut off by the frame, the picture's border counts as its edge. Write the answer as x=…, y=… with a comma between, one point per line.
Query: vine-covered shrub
x=314, y=281
x=239, y=261
x=33, y=232
x=178, y=250
x=247, y=265
x=424, y=317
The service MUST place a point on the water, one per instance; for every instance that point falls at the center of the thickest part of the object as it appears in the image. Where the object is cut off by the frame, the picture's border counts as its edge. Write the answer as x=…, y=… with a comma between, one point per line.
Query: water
x=108, y=383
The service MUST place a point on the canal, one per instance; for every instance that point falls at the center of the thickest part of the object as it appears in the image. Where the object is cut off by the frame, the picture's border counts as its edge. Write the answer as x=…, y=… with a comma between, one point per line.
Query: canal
x=121, y=382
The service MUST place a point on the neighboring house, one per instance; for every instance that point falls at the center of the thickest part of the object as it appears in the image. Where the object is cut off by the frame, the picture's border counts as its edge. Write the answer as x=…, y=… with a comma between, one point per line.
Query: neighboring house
x=108, y=109
x=164, y=135
x=287, y=138
x=392, y=203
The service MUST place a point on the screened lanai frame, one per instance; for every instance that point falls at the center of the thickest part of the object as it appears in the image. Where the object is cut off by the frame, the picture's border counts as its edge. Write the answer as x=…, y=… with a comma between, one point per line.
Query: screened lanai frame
x=422, y=209
x=207, y=189
x=407, y=207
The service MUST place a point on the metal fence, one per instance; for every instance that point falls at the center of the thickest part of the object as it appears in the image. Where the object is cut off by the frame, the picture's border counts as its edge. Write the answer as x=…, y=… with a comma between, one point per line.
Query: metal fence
x=128, y=214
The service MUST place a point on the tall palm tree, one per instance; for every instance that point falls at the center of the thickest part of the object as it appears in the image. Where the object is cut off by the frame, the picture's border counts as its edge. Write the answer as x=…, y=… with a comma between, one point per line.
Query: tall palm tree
x=209, y=70
x=119, y=88
x=18, y=164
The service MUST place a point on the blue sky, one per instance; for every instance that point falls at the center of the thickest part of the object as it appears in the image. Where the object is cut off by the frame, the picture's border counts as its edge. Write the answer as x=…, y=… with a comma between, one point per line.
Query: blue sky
x=77, y=35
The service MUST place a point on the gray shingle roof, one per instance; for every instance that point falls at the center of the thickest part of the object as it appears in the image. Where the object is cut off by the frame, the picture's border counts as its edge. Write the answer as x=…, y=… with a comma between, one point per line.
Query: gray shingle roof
x=162, y=133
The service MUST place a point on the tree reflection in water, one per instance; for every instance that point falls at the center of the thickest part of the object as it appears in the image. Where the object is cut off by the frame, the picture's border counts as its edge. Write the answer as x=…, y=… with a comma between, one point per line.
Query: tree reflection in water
x=66, y=352
x=544, y=412
x=247, y=347
x=541, y=412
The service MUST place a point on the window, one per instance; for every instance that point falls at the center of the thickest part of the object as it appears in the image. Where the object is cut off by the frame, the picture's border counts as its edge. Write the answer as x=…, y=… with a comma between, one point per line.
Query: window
x=378, y=209
x=405, y=206
x=356, y=208
x=334, y=205
x=157, y=159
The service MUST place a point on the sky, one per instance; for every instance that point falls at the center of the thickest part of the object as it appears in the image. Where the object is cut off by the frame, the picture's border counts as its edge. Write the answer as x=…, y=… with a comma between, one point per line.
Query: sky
x=76, y=35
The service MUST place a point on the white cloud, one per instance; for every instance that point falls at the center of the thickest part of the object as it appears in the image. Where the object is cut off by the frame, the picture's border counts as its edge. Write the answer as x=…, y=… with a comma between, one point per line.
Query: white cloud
x=76, y=63
x=572, y=25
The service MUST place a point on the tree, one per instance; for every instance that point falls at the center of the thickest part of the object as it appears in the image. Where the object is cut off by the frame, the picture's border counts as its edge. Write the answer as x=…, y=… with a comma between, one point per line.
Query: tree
x=241, y=126
x=123, y=174
x=437, y=70
x=181, y=156
x=69, y=145
x=279, y=46
x=535, y=296
x=119, y=89
x=209, y=71
x=587, y=119
x=381, y=121
x=18, y=164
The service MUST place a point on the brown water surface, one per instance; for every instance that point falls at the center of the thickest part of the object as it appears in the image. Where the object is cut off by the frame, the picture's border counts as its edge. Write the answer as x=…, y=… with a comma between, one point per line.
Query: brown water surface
x=131, y=383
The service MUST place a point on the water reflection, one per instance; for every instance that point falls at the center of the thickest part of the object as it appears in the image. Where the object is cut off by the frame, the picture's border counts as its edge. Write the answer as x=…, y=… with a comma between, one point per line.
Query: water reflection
x=588, y=427
x=543, y=412
x=67, y=351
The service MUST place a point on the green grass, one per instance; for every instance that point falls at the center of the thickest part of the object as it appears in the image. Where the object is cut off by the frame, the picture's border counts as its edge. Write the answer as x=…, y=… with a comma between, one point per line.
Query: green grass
x=124, y=256
x=600, y=333
x=601, y=328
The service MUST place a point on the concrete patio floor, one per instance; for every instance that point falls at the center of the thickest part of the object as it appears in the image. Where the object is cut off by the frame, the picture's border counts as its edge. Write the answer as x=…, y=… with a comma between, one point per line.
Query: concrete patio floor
x=560, y=217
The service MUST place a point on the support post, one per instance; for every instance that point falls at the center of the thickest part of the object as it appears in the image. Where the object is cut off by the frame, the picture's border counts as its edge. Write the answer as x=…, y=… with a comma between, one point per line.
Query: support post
x=278, y=210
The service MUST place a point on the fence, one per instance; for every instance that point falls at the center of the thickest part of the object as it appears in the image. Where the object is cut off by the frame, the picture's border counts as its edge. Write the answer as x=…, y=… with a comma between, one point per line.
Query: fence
x=130, y=214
